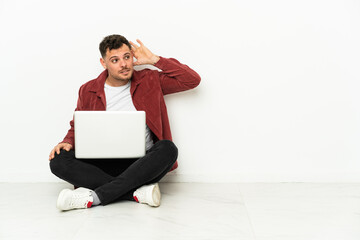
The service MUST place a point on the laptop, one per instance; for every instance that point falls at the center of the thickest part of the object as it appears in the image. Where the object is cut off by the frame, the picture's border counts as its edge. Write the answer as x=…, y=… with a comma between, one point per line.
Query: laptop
x=109, y=134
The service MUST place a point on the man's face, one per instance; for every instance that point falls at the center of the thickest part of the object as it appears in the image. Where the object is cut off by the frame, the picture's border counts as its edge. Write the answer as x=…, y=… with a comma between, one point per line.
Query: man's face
x=119, y=63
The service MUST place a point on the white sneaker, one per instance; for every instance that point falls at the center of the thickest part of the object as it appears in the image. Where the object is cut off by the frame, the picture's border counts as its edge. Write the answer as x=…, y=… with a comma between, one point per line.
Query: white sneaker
x=149, y=194
x=73, y=199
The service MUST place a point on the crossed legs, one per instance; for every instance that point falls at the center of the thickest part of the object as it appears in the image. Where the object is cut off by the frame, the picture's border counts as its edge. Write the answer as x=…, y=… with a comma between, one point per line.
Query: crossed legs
x=114, y=180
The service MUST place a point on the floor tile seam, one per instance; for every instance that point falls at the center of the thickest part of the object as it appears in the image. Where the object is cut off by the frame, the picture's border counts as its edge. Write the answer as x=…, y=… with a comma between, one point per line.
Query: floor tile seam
x=247, y=212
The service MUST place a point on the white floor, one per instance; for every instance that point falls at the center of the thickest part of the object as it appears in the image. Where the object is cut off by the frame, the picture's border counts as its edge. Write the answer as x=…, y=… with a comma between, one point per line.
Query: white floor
x=281, y=211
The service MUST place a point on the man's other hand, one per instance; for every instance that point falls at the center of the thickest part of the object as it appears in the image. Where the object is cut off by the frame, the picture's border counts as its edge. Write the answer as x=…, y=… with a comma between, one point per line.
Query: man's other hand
x=57, y=148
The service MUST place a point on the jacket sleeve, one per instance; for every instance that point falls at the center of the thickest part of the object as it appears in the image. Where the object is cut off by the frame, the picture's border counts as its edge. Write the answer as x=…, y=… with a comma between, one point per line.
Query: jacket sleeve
x=175, y=76
x=70, y=136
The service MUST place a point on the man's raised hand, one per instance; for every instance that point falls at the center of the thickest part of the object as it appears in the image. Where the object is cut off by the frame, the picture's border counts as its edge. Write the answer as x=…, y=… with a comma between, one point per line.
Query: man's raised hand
x=142, y=54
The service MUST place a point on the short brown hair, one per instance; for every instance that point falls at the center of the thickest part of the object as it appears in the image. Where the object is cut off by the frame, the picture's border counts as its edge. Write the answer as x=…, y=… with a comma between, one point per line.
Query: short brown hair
x=110, y=42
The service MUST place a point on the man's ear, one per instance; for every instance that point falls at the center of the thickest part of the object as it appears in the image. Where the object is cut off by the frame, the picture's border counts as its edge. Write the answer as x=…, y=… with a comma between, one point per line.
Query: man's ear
x=102, y=62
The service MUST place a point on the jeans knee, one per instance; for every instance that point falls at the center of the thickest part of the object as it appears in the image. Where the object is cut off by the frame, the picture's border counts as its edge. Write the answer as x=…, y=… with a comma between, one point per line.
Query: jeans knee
x=55, y=166
x=58, y=163
x=170, y=149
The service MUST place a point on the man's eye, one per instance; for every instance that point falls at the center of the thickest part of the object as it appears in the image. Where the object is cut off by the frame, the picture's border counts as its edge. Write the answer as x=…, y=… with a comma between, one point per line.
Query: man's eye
x=114, y=60
x=127, y=57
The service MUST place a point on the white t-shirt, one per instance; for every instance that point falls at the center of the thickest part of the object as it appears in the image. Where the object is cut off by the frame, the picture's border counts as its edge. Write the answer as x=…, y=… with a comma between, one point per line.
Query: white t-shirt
x=119, y=99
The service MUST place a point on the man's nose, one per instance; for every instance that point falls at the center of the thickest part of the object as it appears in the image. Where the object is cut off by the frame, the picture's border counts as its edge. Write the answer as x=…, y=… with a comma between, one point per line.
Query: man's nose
x=122, y=63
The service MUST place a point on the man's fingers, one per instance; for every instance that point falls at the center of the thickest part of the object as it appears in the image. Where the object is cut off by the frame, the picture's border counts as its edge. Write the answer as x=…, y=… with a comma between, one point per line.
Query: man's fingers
x=133, y=52
x=141, y=44
x=68, y=147
x=51, y=155
x=58, y=150
x=133, y=45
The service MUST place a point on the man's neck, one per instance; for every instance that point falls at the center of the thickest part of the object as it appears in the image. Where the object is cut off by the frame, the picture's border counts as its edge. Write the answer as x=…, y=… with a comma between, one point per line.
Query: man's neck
x=115, y=83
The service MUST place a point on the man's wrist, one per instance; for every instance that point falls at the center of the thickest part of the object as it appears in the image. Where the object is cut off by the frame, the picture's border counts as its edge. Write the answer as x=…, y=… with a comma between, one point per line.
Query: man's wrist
x=155, y=59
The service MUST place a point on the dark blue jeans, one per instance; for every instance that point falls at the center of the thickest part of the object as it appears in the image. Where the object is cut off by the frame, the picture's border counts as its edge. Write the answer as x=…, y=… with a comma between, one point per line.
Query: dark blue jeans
x=115, y=179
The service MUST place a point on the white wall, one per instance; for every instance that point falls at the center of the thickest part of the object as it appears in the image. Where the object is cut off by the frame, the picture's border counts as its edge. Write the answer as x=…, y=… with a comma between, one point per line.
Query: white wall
x=279, y=98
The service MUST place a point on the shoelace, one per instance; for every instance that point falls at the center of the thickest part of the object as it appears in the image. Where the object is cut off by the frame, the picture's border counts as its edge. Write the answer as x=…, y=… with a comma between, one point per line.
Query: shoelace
x=79, y=199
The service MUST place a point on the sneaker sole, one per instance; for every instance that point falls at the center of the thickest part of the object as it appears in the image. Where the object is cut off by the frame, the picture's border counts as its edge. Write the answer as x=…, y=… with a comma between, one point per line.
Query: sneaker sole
x=156, y=196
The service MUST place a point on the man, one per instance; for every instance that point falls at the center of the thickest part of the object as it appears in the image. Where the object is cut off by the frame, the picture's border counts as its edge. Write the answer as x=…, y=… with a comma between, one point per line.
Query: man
x=120, y=88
